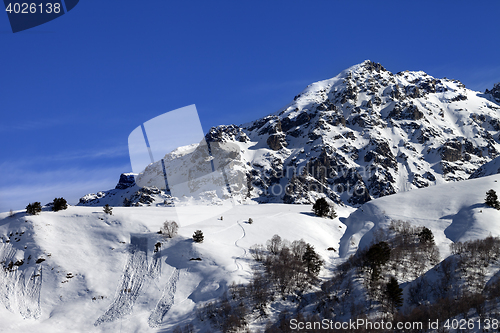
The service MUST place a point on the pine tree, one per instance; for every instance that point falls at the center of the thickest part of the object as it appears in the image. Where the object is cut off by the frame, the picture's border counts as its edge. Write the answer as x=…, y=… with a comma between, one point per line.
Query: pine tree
x=394, y=293
x=425, y=236
x=492, y=199
x=323, y=209
x=34, y=208
x=59, y=204
x=376, y=256
x=198, y=236
x=312, y=260
x=108, y=209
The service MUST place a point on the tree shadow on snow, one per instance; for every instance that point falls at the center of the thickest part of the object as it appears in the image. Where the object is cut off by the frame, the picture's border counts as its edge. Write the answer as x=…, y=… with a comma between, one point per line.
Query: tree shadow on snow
x=311, y=214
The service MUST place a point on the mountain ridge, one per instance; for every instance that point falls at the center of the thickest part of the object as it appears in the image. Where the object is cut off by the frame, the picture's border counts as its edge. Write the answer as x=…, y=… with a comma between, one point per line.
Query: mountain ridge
x=363, y=134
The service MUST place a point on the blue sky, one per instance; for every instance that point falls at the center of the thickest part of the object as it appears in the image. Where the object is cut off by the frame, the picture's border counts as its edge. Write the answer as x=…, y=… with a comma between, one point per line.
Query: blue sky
x=73, y=89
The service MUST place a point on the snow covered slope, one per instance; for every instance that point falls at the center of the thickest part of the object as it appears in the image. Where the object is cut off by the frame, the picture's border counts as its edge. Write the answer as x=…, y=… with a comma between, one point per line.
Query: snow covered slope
x=487, y=169
x=454, y=212
x=80, y=270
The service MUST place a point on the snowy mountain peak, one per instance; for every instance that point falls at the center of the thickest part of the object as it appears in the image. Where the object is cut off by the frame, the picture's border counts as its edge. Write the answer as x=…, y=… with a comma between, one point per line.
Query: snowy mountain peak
x=388, y=132
x=363, y=134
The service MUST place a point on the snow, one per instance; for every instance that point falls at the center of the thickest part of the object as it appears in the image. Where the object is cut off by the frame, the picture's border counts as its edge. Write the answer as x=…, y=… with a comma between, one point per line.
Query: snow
x=455, y=212
x=101, y=274
x=487, y=169
x=85, y=271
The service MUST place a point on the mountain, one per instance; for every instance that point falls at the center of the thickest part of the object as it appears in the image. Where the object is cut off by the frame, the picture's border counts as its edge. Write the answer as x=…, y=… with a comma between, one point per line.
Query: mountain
x=495, y=92
x=126, y=194
x=363, y=134
x=81, y=270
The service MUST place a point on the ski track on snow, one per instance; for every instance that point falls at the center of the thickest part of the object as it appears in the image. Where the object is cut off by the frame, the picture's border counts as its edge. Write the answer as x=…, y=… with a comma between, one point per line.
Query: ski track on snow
x=155, y=268
x=238, y=265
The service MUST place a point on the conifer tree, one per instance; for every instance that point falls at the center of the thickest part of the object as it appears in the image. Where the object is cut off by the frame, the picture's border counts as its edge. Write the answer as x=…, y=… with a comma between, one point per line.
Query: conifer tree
x=34, y=208
x=198, y=236
x=59, y=204
x=492, y=199
x=108, y=209
x=425, y=236
x=394, y=293
x=312, y=260
x=376, y=256
x=323, y=209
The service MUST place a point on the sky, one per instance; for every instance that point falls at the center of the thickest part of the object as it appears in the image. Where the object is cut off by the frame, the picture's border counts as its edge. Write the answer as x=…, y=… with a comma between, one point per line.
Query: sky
x=73, y=89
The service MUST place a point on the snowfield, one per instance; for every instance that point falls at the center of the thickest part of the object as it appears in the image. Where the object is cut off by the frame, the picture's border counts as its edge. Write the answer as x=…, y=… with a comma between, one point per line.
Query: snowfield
x=101, y=273
x=454, y=212
x=80, y=270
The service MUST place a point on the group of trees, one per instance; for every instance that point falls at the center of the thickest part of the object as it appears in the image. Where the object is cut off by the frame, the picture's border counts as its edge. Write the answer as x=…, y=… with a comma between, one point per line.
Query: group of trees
x=413, y=250
x=397, y=254
x=290, y=267
x=459, y=287
x=474, y=259
x=287, y=270
x=35, y=208
x=57, y=204
x=375, y=258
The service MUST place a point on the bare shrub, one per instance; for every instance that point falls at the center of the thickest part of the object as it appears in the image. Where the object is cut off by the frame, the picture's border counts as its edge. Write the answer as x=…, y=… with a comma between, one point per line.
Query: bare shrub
x=274, y=244
x=298, y=248
x=258, y=252
x=169, y=229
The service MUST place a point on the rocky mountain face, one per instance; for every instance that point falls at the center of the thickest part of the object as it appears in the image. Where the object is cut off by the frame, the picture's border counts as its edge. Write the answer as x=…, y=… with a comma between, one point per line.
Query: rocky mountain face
x=363, y=134
x=127, y=194
x=495, y=92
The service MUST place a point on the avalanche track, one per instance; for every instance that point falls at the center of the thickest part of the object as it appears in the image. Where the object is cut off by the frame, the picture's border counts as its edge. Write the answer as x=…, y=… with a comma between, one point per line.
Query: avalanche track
x=131, y=283
x=166, y=301
x=20, y=288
